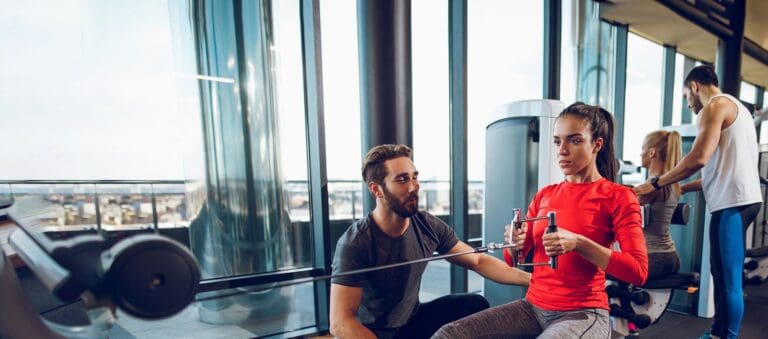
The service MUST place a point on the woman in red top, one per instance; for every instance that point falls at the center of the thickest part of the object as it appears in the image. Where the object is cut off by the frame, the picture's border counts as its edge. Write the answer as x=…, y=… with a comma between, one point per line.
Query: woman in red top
x=592, y=212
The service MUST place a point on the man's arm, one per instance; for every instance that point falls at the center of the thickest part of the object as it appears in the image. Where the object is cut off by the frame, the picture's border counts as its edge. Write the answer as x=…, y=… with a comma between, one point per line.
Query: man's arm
x=693, y=186
x=709, y=128
x=345, y=300
x=489, y=266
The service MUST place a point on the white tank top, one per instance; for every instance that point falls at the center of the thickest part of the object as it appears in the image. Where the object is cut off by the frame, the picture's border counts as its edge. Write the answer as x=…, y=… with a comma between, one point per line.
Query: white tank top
x=730, y=178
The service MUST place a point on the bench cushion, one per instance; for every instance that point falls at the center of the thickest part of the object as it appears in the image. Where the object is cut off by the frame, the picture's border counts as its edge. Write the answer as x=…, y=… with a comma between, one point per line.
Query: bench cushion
x=673, y=281
x=757, y=252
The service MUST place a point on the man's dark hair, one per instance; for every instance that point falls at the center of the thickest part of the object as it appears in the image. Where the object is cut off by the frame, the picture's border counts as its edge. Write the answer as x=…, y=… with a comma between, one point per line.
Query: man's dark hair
x=373, y=164
x=703, y=74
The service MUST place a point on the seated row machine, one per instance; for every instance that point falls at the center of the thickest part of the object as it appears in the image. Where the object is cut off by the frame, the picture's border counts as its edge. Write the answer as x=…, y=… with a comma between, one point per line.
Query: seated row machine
x=644, y=305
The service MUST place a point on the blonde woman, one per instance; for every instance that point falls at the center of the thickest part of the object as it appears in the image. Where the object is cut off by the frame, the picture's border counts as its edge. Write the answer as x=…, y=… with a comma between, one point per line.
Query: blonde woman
x=661, y=152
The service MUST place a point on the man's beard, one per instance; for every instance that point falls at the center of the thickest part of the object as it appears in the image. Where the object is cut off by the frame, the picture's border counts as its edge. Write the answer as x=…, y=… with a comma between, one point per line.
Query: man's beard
x=697, y=106
x=401, y=208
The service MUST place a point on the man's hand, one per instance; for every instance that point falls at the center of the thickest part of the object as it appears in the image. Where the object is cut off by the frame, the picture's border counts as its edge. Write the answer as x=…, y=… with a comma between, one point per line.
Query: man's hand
x=560, y=242
x=644, y=188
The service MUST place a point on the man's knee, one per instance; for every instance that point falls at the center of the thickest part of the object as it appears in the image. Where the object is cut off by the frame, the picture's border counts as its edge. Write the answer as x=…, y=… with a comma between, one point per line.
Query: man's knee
x=476, y=302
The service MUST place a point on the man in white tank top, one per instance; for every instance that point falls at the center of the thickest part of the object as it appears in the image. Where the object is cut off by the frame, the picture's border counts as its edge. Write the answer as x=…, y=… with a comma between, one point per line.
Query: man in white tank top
x=725, y=149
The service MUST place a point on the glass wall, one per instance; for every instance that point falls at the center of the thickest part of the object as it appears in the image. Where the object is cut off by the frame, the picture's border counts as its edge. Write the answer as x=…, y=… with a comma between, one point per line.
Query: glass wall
x=596, y=44
x=679, y=103
x=249, y=57
x=643, y=98
x=569, y=51
x=503, y=65
x=765, y=99
x=748, y=92
x=341, y=101
x=289, y=83
x=431, y=112
x=88, y=91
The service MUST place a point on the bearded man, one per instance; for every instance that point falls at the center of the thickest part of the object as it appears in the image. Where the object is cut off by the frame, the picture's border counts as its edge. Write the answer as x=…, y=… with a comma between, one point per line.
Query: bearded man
x=385, y=303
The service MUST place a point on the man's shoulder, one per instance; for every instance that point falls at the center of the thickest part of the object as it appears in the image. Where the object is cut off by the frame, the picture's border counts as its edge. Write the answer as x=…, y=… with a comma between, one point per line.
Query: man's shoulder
x=358, y=231
x=722, y=106
x=723, y=101
x=428, y=219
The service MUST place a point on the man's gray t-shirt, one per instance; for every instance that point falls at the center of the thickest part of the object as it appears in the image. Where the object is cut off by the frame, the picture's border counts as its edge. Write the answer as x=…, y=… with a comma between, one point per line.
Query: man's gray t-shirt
x=390, y=296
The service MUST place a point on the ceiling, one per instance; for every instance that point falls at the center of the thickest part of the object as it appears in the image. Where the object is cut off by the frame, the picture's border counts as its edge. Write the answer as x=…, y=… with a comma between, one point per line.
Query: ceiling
x=660, y=24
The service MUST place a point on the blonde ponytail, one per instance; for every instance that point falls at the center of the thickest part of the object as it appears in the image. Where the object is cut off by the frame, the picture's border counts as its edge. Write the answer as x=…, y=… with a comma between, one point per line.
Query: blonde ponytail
x=668, y=144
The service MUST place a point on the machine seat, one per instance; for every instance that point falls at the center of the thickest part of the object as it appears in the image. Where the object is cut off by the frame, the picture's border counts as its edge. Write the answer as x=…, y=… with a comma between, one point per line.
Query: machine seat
x=673, y=281
x=680, y=216
x=757, y=252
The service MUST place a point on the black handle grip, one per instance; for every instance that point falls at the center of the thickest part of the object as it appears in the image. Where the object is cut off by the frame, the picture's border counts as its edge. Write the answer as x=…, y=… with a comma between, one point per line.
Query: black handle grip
x=551, y=228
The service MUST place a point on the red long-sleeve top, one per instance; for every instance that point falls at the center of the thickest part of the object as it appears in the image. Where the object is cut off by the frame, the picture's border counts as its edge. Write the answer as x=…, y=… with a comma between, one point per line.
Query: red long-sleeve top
x=602, y=211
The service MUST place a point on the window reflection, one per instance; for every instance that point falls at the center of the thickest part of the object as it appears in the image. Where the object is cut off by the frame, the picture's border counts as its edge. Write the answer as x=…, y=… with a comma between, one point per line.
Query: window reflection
x=281, y=310
x=643, y=98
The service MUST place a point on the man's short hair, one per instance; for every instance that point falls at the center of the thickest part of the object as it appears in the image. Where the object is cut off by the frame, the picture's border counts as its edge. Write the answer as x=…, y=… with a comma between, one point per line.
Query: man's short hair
x=373, y=164
x=703, y=74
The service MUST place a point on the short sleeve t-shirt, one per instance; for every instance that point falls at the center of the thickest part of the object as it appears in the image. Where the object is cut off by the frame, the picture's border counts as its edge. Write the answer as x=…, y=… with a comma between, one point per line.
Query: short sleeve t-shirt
x=390, y=296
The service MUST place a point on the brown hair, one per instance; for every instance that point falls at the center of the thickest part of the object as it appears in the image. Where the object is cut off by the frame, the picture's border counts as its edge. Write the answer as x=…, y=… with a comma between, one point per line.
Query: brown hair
x=601, y=123
x=669, y=146
x=373, y=163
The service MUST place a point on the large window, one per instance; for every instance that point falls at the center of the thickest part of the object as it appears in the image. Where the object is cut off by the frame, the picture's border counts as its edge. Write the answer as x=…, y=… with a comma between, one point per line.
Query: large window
x=97, y=90
x=341, y=100
x=505, y=41
x=289, y=84
x=679, y=103
x=569, y=52
x=431, y=112
x=431, y=109
x=765, y=100
x=504, y=64
x=87, y=91
x=643, y=98
x=748, y=92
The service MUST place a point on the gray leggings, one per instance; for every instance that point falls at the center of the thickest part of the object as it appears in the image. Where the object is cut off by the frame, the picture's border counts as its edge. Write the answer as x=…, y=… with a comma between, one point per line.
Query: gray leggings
x=520, y=319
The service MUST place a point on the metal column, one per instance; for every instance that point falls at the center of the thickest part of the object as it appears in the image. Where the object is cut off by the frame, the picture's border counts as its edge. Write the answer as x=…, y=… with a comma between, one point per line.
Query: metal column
x=384, y=33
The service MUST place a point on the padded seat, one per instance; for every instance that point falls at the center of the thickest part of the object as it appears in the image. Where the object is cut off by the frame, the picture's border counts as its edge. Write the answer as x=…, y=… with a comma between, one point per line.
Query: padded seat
x=673, y=281
x=757, y=252
x=680, y=216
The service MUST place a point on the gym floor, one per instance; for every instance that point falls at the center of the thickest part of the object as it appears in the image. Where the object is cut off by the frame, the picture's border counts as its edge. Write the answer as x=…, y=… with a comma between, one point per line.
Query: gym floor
x=754, y=325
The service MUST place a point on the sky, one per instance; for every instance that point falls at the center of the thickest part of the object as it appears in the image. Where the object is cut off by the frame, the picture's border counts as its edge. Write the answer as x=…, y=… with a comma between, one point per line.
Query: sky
x=81, y=91
x=102, y=90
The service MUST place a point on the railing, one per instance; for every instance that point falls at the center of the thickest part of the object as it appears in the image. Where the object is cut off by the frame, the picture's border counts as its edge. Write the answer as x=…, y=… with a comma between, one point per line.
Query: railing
x=105, y=204
x=345, y=198
x=131, y=204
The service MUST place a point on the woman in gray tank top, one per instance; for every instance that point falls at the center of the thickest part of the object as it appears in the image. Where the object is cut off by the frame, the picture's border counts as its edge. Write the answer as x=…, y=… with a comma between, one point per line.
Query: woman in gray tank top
x=661, y=152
